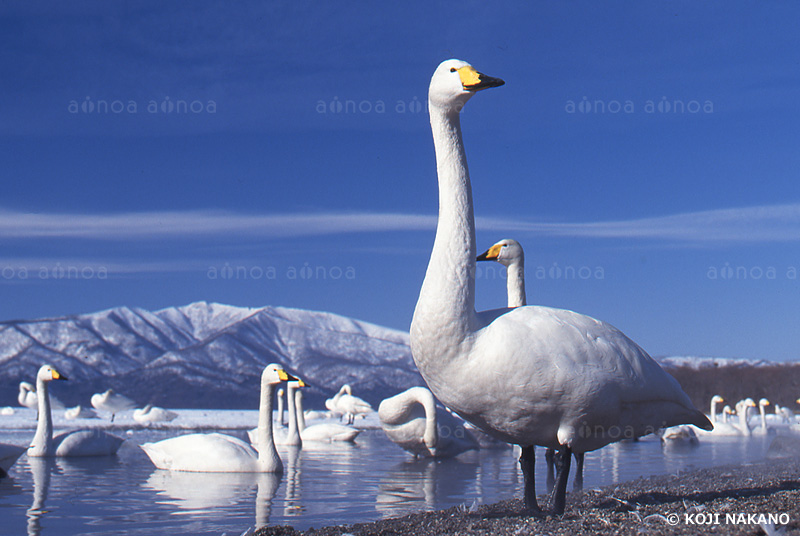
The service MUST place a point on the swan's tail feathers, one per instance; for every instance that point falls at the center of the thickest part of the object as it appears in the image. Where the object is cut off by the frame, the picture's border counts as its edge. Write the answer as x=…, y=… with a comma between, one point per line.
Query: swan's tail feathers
x=701, y=421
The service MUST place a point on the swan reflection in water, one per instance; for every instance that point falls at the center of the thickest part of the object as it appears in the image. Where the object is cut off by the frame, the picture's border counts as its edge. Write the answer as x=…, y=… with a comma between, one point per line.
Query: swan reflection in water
x=426, y=481
x=42, y=469
x=204, y=492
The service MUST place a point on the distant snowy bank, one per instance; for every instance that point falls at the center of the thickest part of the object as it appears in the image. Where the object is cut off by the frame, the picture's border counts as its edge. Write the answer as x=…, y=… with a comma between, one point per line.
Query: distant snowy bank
x=208, y=355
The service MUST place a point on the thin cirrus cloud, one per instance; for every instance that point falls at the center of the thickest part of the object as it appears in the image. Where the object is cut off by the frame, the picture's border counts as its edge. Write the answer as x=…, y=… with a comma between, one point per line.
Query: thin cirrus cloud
x=774, y=223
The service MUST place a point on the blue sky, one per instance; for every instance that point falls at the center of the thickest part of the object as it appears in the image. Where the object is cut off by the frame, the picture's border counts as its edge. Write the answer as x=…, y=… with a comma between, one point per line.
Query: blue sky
x=644, y=154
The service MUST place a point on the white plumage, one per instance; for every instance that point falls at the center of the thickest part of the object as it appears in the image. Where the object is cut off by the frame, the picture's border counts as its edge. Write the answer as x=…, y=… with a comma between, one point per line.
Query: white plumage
x=151, y=414
x=529, y=375
x=414, y=422
x=73, y=443
x=8, y=455
x=219, y=453
x=112, y=402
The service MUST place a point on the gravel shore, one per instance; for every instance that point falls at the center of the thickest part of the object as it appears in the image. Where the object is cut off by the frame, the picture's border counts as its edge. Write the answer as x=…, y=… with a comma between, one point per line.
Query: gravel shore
x=729, y=500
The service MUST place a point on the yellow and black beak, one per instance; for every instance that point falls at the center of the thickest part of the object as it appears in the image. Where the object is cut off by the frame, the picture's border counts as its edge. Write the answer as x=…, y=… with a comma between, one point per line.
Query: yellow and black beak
x=490, y=254
x=58, y=376
x=285, y=376
x=472, y=80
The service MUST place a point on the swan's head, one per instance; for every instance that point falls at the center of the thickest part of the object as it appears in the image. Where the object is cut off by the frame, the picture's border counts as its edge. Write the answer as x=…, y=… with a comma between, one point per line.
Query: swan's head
x=25, y=387
x=763, y=403
x=296, y=383
x=727, y=410
x=506, y=252
x=716, y=399
x=47, y=373
x=797, y=401
x=274, y=374
x=454, y=82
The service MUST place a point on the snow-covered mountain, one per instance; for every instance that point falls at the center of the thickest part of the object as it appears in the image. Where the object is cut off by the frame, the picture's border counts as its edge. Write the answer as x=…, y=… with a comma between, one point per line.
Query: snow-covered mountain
x=204, y=354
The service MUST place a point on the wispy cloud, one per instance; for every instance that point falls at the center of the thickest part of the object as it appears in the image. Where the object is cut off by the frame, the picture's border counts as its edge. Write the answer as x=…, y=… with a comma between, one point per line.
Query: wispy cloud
x=189, y=224
x=776, y=223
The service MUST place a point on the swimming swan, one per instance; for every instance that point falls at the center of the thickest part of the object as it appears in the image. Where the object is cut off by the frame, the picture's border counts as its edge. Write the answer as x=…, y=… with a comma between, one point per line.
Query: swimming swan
x=324, y=431
x=529, y=375
x=290, y=436
x=151, y=413
x=8, y=455
x=219, y=453
x=112, y=402
x=80, y=412
x=716, y=399
x=74, y=443
x=415, y=423
x=510, y=254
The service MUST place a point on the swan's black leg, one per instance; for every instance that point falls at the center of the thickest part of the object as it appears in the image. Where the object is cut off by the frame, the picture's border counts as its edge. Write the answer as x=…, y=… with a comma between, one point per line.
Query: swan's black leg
x=549, y=456
x=577, y=485
x=527, y=462
x=560, y=493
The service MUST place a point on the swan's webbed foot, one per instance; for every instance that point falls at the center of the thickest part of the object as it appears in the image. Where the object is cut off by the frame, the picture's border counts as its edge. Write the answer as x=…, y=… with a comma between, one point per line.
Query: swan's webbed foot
x=549, y=456
x=559, y=496
x=527, y=462
x=577, y=485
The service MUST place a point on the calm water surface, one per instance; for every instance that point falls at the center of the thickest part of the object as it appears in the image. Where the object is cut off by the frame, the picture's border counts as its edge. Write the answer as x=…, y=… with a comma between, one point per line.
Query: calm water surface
x=324, y=483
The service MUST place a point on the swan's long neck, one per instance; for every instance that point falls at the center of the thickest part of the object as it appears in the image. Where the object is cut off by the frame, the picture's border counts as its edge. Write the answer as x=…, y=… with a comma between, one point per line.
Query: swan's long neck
x=446, y=306
x=267, y=453
x=431, y=437
x=515, y=283
x=43, y=438
x=293, y=434
x=743, y=422
x=280, y=408
x=763, y=412
x=298, y=403
x=713, y=410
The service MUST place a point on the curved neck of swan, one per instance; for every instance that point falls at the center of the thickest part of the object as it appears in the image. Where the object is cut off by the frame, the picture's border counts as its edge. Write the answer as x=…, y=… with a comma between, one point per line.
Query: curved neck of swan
x=446, y=305
x=431, y=436
x=267, y=453
x=298, y=407
x=515, y=284
x=43, y=439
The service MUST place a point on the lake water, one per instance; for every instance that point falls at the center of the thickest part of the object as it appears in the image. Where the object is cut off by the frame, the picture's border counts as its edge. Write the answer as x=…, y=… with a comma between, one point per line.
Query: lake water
x=324, y=483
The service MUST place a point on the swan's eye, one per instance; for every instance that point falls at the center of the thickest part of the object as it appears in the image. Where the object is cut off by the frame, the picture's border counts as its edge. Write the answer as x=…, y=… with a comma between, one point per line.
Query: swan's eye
x=453, y=69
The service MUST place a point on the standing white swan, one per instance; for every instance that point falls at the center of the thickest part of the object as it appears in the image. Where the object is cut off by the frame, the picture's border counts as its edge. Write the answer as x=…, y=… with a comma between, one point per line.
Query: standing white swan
x=112, y=402
x=27, y=397
x=344, y=403
x=415, y=423
x=219, y=453
x=74, y=443
x=510, y=254
x=529, y=375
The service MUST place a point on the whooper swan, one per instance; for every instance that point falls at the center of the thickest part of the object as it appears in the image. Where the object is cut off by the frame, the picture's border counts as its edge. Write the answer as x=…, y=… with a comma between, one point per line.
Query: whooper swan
x=219, y=453
x=528, y=375
x=510, y=254
x=415, y=423
x=74, y=443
